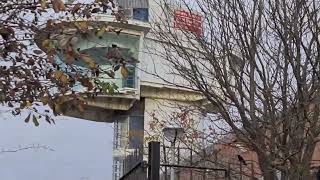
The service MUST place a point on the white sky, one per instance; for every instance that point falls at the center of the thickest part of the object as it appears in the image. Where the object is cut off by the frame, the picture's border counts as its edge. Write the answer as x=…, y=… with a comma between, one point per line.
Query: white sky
x=82, y=150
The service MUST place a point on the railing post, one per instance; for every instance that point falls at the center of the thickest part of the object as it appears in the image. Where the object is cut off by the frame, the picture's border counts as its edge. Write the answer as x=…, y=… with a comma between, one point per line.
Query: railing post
x=154, y=161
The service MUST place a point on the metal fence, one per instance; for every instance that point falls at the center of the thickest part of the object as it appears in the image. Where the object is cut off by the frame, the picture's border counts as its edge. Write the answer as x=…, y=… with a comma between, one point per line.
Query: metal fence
x=157, y=168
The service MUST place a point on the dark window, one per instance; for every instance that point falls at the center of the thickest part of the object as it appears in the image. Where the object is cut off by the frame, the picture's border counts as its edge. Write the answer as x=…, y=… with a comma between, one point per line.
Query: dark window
x=141, y=14
x=130, y=81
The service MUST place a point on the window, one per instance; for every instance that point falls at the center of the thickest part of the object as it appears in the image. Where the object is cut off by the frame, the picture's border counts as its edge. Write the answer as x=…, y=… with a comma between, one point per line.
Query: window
x=141, y=14
x=129, y=82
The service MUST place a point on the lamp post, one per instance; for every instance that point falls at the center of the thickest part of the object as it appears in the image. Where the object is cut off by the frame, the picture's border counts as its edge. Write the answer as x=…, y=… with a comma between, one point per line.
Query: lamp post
x=172, y=134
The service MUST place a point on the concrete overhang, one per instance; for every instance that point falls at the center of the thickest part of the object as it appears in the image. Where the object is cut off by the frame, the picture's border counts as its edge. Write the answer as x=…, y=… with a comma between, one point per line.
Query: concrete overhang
x=169, y=92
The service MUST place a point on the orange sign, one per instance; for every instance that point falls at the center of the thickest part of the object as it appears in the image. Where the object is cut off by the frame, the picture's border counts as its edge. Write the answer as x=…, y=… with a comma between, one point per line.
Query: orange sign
x=188, y=21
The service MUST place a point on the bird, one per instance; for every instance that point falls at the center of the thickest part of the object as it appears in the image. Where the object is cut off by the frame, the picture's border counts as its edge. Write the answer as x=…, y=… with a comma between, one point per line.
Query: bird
x=241, y=160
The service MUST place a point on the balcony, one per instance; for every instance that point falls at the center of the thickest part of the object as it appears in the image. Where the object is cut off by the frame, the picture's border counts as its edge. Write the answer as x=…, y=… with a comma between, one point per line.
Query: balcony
x=127, y=39
x=98, y=48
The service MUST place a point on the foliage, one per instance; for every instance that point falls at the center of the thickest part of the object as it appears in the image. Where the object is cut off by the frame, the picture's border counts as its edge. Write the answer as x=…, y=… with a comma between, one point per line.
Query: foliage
x=33, y=34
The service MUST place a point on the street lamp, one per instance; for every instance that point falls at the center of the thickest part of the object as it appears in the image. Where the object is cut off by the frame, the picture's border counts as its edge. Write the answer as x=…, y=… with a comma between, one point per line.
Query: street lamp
x=172, y=134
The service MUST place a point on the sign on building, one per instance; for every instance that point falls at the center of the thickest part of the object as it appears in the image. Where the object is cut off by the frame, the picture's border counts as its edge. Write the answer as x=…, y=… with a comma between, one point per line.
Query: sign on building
x=188, y=21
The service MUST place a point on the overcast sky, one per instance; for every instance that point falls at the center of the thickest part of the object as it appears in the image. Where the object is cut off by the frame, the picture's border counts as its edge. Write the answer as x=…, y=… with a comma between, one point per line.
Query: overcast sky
x=82, y=150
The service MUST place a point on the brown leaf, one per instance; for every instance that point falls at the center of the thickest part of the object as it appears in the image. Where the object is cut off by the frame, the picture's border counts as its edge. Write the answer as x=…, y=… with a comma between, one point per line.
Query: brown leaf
x=45, y=100
x=61, y=100
x=83, y=25
x=49, y=24
x=60, y=76
x=64, y=79
x=76, y=8
x=57, y=74
x=58, y=6
x=87, y=83
x=124, y=71
x=89, y=61
x=6, y=32
x=43, y=4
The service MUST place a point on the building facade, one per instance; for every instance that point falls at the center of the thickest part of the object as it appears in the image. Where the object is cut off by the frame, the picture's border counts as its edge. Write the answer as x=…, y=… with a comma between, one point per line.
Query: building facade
x=147, y=90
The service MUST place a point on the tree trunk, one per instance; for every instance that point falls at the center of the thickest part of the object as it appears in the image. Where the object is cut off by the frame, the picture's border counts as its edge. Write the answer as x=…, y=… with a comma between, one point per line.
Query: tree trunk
x=267, y=172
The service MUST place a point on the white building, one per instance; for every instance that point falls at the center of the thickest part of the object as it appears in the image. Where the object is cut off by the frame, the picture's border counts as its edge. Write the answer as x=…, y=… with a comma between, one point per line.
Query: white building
x=142, y=95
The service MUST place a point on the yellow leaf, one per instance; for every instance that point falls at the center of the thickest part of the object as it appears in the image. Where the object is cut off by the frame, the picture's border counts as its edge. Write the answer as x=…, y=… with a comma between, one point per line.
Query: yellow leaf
x=124, y=71
x=58, y=6
x=100, y=32
x=83, y=25
x=43, y=4
x=89, y=61
x=57, y=74
x=48, y=44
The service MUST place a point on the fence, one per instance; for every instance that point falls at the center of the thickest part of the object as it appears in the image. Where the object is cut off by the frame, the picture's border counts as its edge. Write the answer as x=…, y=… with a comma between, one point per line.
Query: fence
x=155, y=170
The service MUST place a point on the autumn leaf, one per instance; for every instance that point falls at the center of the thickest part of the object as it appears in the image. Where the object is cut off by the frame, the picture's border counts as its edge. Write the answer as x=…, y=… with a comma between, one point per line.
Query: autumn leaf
x=64, y=79
x=57, y=106
x=48, y=45
x=58, y=6
x=83, y=25
x=61, y=100
x=60, y=76
x=49, y=24
x=124, y=71
x=43, y=4
x=89, y=61
x=57, y=74
x=86, y=83
x=76, y=8
x=6, y=32
x=57, y=109
x=45, y=100
x=24, y=104
x=100, y=32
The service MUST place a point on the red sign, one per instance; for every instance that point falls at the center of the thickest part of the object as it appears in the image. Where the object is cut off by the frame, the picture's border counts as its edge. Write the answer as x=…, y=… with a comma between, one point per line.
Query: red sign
x=188, y=21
